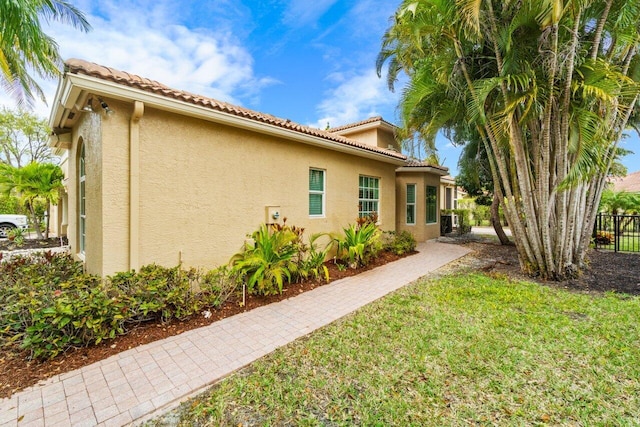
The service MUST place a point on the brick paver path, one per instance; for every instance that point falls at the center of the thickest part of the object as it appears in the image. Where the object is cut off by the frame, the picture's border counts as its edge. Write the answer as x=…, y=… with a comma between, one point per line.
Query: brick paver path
x=150, y=379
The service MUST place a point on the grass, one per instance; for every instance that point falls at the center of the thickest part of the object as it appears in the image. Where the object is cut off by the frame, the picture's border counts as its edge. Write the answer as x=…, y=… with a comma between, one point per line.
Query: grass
x=629, y=242
x=459, y=350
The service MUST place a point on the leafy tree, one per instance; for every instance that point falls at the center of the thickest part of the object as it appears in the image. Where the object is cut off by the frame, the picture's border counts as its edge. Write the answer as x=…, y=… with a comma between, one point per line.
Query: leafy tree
x=24, y=138
x=25, y=48
x=34, y=183
x=619, y=202
x=549, y=86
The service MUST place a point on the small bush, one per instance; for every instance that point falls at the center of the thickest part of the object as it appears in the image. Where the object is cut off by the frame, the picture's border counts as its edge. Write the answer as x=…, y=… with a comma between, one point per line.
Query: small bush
x=604, y=238
x=359, y=244
x=268, y=261
x=217, y=286
x=311, y=261
x=158, y=293
x=400, y=243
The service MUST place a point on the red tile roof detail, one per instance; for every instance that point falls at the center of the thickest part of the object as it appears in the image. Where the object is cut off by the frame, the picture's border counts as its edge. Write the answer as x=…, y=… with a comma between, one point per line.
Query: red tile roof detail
x=360, y=123
x=78, y=66
x=629, y=183
x=414, y=163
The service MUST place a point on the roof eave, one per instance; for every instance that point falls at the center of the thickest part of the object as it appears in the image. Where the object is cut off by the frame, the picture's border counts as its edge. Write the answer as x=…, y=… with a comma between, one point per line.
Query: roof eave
x=74, y=87
x=429, y=169
x=366, y=126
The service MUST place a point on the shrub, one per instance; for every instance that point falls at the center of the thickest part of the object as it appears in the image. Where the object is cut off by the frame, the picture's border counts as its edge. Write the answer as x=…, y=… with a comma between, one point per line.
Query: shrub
x=311, y=261
x=400, y=243
x=16, y=235
x=604, y=238
x=265, y=263
x=48, y=305
x=481, y=214
x=216, y=286
x=359, y=244
x=158, y=293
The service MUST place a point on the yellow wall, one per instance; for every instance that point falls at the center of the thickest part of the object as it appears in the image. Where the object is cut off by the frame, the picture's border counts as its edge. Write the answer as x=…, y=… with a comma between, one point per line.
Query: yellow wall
x=421, y=230
x=375, y=137
x=204, y=186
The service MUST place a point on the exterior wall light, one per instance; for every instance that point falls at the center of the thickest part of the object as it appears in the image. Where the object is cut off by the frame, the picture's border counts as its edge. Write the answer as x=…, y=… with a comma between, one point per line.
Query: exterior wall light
x=106, y=108
x=89, y=107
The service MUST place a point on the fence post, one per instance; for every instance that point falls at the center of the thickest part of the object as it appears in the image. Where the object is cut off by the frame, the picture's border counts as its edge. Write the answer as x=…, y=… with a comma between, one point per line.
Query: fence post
x=616, y=233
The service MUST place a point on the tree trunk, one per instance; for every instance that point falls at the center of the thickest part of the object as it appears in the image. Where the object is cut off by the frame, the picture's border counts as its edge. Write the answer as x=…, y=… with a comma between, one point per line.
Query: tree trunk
x=34, y=220
x=495, y=221
x=46, y=230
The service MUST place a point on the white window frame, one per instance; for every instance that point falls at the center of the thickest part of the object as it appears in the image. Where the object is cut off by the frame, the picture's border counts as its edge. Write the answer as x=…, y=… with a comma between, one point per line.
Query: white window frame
x=411, y=204
x=362, y=199
x=321, y=193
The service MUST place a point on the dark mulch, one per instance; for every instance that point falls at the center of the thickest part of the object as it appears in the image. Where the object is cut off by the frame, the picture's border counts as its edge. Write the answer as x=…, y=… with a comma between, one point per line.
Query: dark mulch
x=51, y=242
x=17, y=373
x=608, y=271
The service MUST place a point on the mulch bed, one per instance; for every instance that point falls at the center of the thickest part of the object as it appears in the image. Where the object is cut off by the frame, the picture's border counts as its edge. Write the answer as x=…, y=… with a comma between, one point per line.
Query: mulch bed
x=51, y=242
x=18, y=373
x=608, y=271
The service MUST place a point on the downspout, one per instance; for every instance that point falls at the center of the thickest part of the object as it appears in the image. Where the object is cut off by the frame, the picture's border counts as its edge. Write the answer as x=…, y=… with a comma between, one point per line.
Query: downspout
x=134, y=185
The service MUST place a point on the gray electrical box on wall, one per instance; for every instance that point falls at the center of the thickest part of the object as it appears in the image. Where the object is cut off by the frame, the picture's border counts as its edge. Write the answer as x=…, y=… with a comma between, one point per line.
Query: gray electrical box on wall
x=273, y=214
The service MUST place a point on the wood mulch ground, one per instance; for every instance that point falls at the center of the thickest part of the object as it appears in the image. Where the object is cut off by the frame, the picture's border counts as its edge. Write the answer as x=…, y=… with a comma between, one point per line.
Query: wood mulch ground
x=608, y=271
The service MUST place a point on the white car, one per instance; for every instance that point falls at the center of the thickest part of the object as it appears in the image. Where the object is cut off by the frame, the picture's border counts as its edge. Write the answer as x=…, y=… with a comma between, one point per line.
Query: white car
x=9, y=222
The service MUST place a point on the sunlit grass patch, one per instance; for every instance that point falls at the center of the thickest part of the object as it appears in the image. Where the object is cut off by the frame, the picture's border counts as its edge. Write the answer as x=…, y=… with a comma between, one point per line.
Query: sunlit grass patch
x=456, y=351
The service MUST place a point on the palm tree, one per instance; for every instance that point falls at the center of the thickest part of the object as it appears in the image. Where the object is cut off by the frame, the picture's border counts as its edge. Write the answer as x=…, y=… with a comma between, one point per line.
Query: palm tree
x=549, y=85
x=619, y=202
x=32, y=183
x=25, y=48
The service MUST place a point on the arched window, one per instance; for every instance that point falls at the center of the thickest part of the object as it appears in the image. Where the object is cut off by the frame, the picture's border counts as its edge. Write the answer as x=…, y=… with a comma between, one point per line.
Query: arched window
x=82, y=209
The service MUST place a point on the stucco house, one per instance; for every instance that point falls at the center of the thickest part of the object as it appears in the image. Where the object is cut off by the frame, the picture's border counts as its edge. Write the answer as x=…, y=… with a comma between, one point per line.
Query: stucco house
x=159, y=175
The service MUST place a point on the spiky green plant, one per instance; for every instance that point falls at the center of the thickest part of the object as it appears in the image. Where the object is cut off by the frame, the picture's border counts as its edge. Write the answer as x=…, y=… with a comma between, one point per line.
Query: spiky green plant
x=311, y=263
x=266, y=262
x=358, y=244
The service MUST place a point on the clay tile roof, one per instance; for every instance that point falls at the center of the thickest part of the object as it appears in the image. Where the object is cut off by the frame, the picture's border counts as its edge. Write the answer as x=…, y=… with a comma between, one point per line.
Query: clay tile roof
x=415, y=163
x=629, y=183
x=360, y=123
x=78, y=66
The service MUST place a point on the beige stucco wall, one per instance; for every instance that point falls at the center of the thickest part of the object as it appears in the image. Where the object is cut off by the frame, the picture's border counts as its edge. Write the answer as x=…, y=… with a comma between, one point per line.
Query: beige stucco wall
x=374, y=137
x=88, y=132
x=204, y=186
x=420, y=230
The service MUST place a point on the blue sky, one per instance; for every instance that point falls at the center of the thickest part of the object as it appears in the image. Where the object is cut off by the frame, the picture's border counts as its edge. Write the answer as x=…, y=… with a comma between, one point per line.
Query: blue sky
x=310, y=61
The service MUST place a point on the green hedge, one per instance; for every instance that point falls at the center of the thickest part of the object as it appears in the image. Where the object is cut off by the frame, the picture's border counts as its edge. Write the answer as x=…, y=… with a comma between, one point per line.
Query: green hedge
x=49, y=305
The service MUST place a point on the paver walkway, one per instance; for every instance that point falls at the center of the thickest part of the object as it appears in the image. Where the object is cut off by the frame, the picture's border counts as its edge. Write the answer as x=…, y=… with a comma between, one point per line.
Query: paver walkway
x=148, y=380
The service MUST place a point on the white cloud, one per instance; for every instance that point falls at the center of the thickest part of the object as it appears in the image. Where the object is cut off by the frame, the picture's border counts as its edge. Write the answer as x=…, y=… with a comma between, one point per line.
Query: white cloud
x=356, y=97
x=143, y=39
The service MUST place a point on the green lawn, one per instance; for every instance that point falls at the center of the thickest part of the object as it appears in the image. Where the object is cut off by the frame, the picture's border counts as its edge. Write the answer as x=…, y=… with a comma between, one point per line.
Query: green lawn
x=457, y=351
x=629, y=242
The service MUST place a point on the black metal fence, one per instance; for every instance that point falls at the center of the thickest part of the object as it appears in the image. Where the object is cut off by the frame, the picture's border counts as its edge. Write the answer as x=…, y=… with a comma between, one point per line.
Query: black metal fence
x=619, y=233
